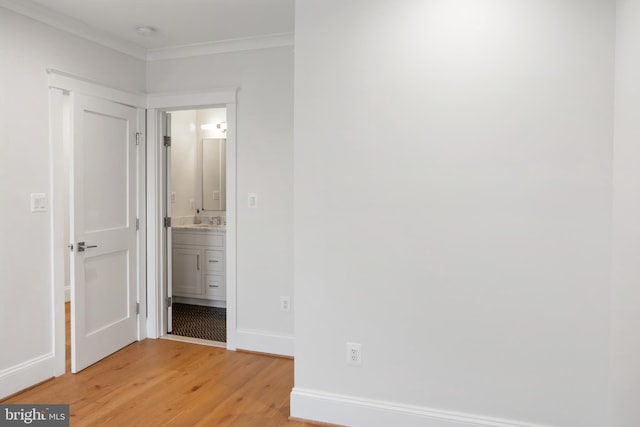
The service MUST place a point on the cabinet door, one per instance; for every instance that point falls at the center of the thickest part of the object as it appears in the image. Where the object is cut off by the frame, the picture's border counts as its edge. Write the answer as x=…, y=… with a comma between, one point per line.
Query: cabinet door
x=187, y=273
x=214, y=287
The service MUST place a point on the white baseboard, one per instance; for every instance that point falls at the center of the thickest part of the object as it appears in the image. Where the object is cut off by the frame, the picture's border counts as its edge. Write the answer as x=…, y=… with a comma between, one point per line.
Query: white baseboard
x=264, y=342
x=356, y=412
x=200, y=301
x=19, y=377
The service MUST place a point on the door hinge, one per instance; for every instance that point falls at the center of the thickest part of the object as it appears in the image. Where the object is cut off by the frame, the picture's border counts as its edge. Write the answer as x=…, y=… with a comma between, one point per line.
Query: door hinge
x=137, y=308
x=138, y=137
x=70, y=247
x=137, y=224
x=167, y=141
x=168, y=302
x=167, y=222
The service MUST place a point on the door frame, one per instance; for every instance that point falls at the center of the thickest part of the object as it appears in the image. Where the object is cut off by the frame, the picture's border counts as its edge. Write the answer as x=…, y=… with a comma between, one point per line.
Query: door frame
x=60, y=84
x=156, y=233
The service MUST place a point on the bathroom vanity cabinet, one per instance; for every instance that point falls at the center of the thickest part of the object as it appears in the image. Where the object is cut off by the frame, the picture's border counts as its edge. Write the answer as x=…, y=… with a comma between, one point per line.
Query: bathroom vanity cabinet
x=198, y=265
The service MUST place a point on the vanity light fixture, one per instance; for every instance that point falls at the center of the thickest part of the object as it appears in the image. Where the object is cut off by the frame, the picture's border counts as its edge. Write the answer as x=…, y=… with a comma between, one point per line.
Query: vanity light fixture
x=222, y=126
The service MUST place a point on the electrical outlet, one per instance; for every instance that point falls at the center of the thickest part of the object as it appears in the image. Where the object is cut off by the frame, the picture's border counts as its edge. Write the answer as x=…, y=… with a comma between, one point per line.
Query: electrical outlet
x=354, y=354
x=253, y=200
x=285, y=304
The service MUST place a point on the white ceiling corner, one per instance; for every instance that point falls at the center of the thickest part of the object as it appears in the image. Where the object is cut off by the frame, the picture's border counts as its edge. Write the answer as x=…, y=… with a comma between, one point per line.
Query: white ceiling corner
x=73, y=26
x=184, y=28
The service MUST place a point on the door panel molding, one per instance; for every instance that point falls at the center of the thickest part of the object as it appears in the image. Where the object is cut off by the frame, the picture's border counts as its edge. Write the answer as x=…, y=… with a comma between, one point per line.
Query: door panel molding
x=69, y=82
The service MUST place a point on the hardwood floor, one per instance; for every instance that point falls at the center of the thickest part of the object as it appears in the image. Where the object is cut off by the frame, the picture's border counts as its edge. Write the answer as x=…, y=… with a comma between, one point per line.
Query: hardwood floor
x=170, y=383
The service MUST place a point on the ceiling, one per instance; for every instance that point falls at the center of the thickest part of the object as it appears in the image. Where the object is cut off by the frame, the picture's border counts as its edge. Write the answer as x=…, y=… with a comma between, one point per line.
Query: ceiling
x=178, y=22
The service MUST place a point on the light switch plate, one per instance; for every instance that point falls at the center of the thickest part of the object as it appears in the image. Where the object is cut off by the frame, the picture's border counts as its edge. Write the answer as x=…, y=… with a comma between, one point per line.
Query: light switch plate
x=253, y=200
x=38, y=202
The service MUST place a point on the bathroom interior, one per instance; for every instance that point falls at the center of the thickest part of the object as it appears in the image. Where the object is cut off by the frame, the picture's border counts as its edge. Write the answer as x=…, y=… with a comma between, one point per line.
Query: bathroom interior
x=197, y=205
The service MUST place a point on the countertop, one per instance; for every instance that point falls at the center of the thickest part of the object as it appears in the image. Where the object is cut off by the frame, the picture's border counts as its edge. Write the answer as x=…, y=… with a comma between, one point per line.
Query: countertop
x=200, y=227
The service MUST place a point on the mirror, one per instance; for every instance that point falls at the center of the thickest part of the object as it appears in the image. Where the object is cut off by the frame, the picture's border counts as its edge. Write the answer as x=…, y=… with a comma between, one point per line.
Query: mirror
x=214, y=174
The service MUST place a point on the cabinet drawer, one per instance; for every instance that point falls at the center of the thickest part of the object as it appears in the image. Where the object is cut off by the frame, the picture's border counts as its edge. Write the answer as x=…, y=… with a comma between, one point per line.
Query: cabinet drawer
x=214, y=261
x=186, y=237
x=215, y=287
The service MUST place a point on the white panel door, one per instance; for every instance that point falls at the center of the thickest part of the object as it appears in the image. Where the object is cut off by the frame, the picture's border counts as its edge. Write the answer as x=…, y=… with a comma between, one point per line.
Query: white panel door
x=103, y=198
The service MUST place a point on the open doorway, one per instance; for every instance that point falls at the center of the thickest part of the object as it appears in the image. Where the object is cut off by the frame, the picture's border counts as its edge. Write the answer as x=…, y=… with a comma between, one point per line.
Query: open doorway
x=159, y=236
x=196, y=249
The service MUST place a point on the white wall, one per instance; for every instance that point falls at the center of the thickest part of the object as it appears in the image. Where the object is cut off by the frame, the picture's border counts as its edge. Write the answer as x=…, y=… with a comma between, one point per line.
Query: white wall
x=264, y=166
x=452, y=210
x=625, y=302
x=28, y=49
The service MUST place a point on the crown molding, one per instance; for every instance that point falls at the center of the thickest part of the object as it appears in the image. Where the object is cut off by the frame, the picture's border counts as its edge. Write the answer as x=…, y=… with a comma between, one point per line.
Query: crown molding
x=82, y=30
x=73, y=26
x=223, y=46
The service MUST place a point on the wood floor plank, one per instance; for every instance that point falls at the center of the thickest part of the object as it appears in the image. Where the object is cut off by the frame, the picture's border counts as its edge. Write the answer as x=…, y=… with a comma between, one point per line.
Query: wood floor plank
x=162, y=382
x=172, y=383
